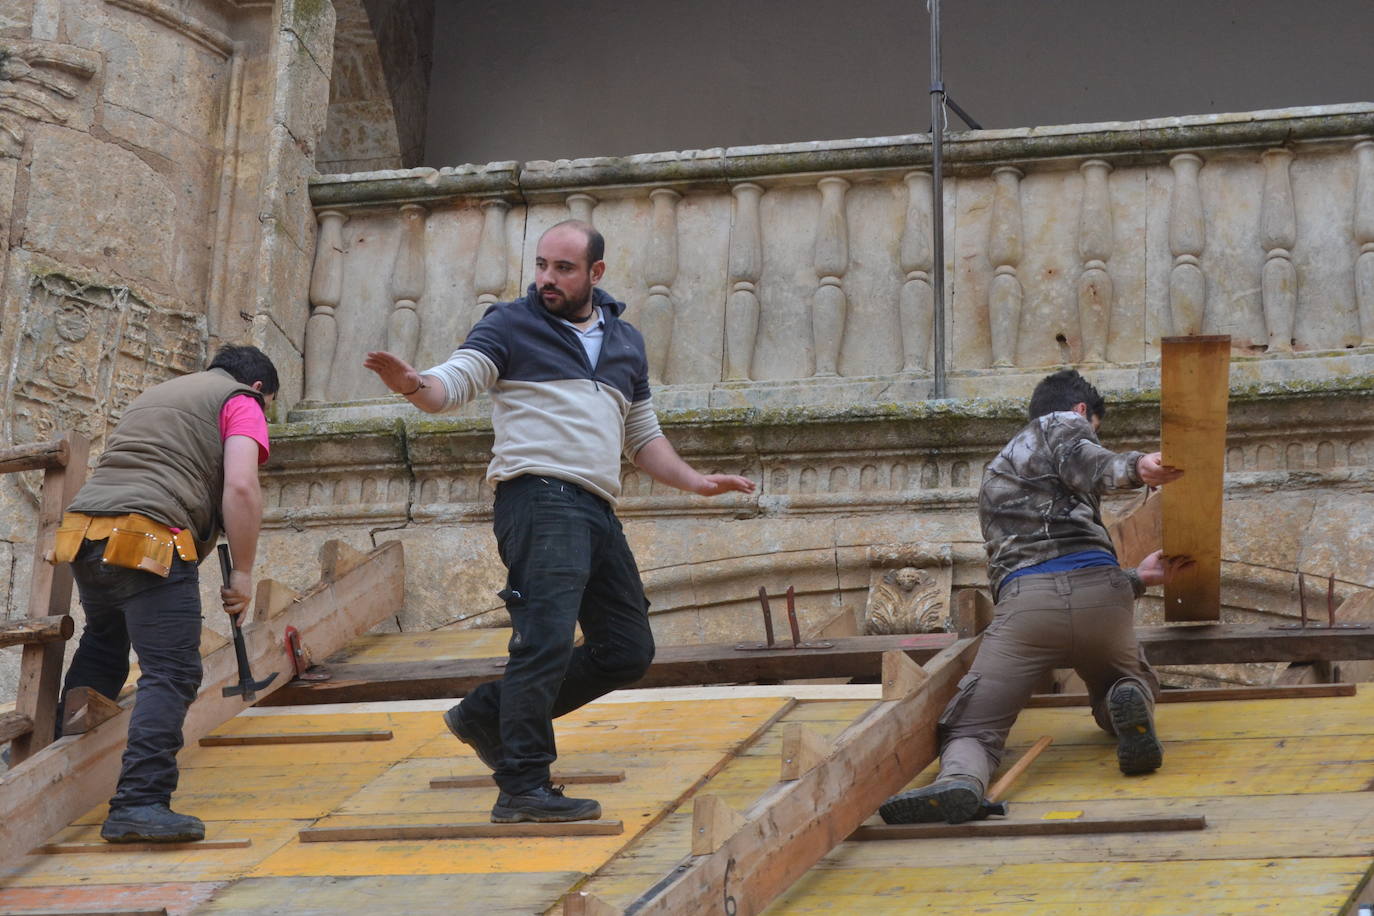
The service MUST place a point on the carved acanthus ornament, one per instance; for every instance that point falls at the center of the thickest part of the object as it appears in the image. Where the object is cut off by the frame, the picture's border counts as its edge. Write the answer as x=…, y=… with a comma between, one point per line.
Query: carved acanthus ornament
x=40, y=81
x=909, y=589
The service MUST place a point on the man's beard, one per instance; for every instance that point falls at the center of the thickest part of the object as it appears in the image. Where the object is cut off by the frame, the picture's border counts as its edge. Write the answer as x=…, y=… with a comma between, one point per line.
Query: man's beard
x=569, y=309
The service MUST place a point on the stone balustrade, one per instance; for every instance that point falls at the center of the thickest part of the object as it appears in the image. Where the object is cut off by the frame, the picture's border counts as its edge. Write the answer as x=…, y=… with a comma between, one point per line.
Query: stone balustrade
x=800, y=274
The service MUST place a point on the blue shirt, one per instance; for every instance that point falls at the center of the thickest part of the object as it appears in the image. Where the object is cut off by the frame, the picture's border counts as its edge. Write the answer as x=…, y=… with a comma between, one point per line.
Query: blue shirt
x=1083, y=559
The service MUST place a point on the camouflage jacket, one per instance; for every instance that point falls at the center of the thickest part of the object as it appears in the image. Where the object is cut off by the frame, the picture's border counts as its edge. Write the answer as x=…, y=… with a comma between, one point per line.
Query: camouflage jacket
x=1040, y=496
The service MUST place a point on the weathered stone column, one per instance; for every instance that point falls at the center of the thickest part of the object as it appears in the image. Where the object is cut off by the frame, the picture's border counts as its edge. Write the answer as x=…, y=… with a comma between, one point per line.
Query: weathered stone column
x=1364, y=237
x=746, y=264
x=1095, y=292
x=660, y=269
x=1278, y=233
x=326, y=289
x=1004, y=251
x=916, y=307
x=489, y=271
x=828, y=308
x=580, y=206
x=407, y=283
x=1187, y=283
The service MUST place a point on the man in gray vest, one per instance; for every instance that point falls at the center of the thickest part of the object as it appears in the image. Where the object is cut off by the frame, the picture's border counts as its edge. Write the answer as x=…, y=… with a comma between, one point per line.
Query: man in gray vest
x=181, y=465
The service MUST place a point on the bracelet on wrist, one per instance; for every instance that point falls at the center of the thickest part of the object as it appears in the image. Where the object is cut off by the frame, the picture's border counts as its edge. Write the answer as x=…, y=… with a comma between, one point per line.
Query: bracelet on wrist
x=406, y=394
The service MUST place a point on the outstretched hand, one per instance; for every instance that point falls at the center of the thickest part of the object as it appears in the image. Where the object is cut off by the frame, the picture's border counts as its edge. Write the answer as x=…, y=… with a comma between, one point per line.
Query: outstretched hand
x=1154, y=472
x=716, y=484
x=1157, y=569
x=395, y=373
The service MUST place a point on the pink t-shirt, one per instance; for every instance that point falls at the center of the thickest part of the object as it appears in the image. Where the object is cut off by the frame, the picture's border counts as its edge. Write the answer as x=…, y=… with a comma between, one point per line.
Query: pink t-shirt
x=242, y=416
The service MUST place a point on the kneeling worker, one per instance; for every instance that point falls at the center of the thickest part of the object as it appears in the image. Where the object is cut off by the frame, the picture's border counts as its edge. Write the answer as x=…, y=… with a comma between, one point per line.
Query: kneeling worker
x=181, y=465
x=1062, y=600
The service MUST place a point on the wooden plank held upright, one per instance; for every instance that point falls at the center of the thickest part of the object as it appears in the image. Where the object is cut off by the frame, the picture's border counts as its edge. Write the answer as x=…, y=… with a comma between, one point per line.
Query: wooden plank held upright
x=50, y=594
x=1194, y=384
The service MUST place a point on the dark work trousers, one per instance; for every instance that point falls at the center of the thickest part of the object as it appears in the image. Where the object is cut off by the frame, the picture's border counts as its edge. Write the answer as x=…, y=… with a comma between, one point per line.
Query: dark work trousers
x=567, y=563
x=1082, y=619
x=161, y=619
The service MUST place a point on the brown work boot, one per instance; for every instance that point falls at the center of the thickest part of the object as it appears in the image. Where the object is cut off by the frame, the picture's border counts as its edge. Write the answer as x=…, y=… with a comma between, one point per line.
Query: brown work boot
x=1137, y=748
x=545, y=804
x=951, y=799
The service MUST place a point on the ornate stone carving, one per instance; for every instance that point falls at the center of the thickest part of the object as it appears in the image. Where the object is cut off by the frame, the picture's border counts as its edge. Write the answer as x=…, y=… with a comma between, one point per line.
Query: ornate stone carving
x=660, y=269
x=40, y=81
x=909, y=589
x=829, y=306
x=1004, y=252
x=489, y=273
x=1364, y=237
x=1095, y=245
x=746, y=264
x=1278, y=233
x=407, y=283
x=326, y=289
x=1187, y=284
x=916, y=306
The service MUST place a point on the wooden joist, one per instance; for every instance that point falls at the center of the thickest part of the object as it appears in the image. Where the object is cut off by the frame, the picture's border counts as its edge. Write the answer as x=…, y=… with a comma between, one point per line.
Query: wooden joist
x=1001, y=828
x=458, y=831
x=849, y=657
x=795, y=823
x=68, y=778
x=33, y=631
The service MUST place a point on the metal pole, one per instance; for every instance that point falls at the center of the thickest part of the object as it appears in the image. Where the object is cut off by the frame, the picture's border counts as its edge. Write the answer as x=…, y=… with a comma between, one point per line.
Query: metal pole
x=937, y=208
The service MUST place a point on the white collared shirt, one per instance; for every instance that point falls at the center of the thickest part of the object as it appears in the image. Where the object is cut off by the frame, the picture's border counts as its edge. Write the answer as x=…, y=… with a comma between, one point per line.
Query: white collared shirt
x=591, y=337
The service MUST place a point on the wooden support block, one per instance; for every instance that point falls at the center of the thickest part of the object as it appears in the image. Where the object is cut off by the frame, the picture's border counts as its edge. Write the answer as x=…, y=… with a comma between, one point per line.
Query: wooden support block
x=14, y=724
x=1194, y=384
x=334, y=737
x=566, y=778
x=272, y=599
x=1139, y=530
x=33, y=631
x=973, y=610
x=1209, y=694
x=62, y=849
x=713, y=822
x=1000, y=828
x=337, y=559
x=463, y=831
x=802, y=751
x=581, y=903
x=901, y=675
x=210, y=641
x=84, y=709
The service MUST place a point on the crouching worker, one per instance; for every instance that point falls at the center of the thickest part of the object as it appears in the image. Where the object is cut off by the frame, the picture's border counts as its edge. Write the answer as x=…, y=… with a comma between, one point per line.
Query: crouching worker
x=1062, y=600
x=181, y=465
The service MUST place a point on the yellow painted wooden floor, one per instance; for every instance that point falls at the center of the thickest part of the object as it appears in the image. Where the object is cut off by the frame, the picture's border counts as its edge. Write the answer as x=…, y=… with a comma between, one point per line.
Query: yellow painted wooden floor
x=1284, y=784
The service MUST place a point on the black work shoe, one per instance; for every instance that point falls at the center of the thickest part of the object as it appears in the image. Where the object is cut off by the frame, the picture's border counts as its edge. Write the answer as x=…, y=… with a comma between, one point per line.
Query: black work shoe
x=151, y=824
x=1137, y=748
x=953, y=800
x=546, y=804
x=481, y=740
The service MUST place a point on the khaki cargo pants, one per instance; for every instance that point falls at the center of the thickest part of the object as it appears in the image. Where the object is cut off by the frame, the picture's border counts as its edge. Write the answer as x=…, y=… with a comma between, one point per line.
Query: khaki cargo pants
x=1083, y=619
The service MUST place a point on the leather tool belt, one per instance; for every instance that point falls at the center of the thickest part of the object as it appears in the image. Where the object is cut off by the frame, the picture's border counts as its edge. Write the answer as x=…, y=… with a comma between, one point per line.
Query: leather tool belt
x=131, y=541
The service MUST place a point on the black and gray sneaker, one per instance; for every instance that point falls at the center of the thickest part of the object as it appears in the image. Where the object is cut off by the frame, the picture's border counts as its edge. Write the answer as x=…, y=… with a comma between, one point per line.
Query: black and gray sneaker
x=151, y=824
x=1137, y=748
x=475, y=736
x=952, y=800
x=546, y=804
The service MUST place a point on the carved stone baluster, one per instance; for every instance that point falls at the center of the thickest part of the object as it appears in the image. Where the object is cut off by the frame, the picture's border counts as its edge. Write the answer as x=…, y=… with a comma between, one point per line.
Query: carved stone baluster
x=489, y=273
x=1364, y=237
x=1187, y=232
x=1278, y=233
x=1004, y=251
x=660, y=269
x=1095, y=292
x=916, y=308
x=407, y=284
x=828, y=308
x=746, y=265
x=326, y=289
x=580, y=206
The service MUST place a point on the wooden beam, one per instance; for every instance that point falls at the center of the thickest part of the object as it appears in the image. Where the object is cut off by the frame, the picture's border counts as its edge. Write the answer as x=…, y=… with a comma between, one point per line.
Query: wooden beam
x=561, y=777
x=1194, y=384
x=852, y=657
x=1208, y=694
x=999, y=828
x=334, y=737
x=458, y=831
x=36, y=630
x=35, y=456
x=794, y=824
x=67, y=779
x=14, y=724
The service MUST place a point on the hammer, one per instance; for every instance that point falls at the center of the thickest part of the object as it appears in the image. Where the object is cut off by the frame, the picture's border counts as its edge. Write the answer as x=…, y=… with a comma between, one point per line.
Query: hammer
x=990, y=804
x=247, y=687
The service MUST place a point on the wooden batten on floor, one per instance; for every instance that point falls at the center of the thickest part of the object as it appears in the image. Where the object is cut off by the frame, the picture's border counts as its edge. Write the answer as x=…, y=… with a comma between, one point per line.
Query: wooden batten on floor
x=562, y=778
x=334, y=737
x=62, y=849
x=458, y=831
x=1011, y=828
x=1211, y=694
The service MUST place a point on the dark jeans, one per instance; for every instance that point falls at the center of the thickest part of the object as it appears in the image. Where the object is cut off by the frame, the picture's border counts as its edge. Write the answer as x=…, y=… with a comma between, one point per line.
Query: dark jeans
x=160, y=618
x=567, y=562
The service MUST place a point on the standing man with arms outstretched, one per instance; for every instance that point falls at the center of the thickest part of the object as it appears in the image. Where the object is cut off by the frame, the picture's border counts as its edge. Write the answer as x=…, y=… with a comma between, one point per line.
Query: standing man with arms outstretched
x=570, y=395
x=1063, y=601
x=181, y=465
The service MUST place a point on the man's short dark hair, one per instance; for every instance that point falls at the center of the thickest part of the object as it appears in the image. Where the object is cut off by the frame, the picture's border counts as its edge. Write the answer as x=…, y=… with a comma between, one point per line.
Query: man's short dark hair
x=247, y=365
x=1064, y=389
x=596, y=243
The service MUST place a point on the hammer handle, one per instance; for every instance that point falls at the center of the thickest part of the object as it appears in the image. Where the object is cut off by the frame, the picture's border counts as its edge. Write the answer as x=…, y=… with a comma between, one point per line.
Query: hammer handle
x=1000, y=787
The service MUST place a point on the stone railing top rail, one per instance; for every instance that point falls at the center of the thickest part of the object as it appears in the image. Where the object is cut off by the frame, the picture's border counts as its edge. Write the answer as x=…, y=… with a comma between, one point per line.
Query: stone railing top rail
x=965, y=152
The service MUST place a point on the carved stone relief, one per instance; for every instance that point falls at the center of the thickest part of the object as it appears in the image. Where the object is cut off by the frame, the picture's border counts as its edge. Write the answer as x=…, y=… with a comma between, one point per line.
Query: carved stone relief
x=909, y=589
x=41, y=81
